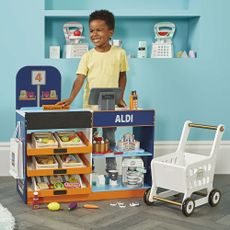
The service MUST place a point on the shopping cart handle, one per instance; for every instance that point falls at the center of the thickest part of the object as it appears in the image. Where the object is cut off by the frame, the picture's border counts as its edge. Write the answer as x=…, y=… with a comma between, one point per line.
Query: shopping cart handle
x=205, y=126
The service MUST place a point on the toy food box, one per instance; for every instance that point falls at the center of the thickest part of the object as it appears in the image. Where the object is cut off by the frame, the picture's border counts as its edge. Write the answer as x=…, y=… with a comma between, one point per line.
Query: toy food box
x=44, y=140
x=68, y=138
x=69, y=161
x=45, y=162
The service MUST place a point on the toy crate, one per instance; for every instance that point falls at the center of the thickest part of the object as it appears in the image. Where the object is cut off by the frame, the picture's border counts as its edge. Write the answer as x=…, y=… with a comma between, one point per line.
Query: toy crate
x=68, y=138
x=56, y=182
x=73, y=161
x=44, y=140
x=46, y=165
x=40, y=183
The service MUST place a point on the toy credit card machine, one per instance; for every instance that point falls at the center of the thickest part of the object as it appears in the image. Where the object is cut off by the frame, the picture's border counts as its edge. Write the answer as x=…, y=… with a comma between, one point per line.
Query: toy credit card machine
x=163, y=45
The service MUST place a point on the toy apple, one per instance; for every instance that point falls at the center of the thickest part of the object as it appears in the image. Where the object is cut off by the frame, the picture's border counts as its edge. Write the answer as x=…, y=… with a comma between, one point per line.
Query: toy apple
x=77, y=33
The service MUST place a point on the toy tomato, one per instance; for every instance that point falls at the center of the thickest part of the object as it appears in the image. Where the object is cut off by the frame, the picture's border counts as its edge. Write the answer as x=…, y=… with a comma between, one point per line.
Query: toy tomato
x=77, y=33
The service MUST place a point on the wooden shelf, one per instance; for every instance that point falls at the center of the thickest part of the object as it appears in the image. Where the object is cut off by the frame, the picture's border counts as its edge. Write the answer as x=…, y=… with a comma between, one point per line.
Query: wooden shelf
x=86, y=169
x=52, y=151
x=92, y=196
x=27, y=99
x=124, y=154
x=60, y=171
x=49, y=98
x=86, y=189
x=86, y=148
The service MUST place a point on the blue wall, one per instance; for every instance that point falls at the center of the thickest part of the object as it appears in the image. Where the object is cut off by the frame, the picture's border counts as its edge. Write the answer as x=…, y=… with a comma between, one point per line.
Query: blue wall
x=177, y=89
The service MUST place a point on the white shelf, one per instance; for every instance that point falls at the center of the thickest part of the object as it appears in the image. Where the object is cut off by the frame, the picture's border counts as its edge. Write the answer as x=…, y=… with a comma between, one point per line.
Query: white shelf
x=120, y=13
x=125, y=154
x=119, y=187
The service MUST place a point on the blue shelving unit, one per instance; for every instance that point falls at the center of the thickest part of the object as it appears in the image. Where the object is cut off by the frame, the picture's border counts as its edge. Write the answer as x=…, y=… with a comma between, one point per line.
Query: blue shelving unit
x=142, y=124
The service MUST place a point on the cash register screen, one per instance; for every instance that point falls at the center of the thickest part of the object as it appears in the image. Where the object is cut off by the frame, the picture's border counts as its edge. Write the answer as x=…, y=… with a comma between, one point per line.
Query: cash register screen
x=95, y=93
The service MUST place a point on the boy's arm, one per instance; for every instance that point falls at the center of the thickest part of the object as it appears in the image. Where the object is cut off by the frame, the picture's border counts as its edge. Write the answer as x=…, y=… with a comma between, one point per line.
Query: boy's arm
x=122, y=84
x=75, y=90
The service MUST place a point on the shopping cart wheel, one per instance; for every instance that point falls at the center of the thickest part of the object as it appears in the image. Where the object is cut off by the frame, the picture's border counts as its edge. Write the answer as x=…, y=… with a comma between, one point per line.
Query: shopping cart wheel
x=146, y=197
x=188, y=206
x=214, y=197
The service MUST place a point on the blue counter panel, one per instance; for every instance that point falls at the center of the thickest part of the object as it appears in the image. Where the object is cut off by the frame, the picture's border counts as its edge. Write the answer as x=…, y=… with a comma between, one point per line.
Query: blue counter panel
x=123, y=118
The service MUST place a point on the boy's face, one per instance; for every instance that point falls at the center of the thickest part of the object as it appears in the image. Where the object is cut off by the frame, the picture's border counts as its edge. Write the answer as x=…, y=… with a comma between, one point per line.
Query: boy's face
x=100, y=33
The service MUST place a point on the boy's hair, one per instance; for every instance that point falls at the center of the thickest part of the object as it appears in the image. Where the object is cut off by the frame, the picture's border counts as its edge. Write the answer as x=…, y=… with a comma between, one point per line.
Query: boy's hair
x=104, y=15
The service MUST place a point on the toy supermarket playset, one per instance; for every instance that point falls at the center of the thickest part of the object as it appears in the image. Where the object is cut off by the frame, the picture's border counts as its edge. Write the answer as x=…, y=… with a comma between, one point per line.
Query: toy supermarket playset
x=58, y=147
x=53, y=158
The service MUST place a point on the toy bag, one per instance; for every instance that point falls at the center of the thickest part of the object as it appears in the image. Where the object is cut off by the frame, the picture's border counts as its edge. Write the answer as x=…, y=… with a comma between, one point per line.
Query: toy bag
x=16, y=154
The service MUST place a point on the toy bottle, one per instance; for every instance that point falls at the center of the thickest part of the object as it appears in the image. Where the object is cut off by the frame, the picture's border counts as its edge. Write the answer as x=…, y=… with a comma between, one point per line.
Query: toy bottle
x=102, y=146
x=133, y=104
x=35, y=203
x=106, y=145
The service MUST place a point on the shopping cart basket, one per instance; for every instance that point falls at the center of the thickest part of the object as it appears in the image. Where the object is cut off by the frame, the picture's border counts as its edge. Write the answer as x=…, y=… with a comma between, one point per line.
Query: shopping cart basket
x=190, y=174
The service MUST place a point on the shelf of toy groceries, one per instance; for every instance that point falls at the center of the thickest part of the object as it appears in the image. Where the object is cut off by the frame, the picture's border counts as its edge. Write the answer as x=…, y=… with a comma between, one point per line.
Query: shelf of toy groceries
x=27, y=99
x=86, y=168
x=43, y=99
x=125, y=13
x=49, y=192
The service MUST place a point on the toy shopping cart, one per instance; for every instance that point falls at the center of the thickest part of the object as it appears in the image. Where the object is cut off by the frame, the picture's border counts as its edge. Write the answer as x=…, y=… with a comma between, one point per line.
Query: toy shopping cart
x=187, y=173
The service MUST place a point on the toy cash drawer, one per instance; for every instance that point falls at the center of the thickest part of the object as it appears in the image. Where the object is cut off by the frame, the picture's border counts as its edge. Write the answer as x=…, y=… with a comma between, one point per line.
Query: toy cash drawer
x=44, y=140
x=45, y=162
x=69, y=161
x=68, y=138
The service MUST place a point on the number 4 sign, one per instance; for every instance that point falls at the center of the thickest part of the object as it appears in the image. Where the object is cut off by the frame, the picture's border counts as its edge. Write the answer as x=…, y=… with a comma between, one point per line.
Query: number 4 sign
x=38, y=77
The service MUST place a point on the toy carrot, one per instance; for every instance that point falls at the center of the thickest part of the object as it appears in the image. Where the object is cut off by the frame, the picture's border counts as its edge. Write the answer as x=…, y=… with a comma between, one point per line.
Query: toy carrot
x=90, y=206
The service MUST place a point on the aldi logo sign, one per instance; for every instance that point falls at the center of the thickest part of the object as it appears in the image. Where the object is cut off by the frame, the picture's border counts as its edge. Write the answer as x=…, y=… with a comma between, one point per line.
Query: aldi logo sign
x=123, y=118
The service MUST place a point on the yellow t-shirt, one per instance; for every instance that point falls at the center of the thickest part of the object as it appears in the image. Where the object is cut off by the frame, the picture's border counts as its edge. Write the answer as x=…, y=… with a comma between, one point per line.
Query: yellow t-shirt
x=102, y=69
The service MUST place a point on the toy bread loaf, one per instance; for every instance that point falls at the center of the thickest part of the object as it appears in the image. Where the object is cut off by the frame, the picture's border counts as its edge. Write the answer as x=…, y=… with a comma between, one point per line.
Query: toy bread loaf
x=55, y=107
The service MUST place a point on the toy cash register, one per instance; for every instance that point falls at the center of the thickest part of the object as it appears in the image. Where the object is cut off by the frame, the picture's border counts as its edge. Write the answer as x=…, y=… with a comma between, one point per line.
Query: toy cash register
x=74, y=47
x=163, y=45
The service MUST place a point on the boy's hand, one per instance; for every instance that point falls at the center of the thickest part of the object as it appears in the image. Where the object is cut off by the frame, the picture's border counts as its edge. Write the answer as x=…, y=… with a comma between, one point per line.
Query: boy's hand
x=121, y=103
x=64, y=103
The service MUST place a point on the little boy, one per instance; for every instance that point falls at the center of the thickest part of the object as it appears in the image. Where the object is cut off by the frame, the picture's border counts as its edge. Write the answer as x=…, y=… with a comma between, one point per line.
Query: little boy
x=104, y=66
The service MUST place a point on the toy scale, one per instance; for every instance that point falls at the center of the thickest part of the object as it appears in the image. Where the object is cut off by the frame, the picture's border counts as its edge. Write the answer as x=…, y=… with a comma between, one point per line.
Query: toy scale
x=74, y=47
x=163, y=45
